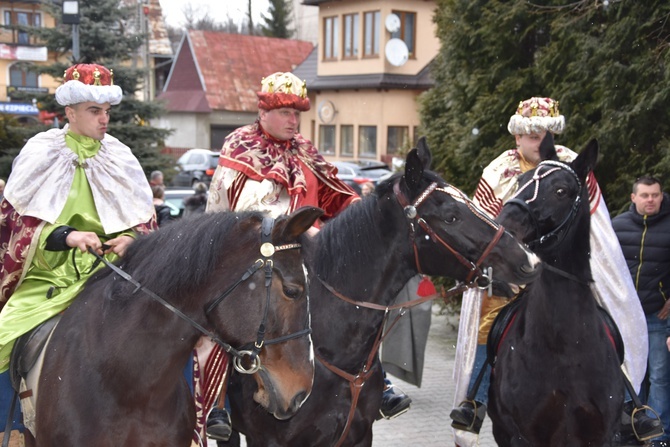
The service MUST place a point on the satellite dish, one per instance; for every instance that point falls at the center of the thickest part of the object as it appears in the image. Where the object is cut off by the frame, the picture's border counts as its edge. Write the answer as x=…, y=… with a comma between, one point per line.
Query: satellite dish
x=396, y=52
x=326, y=111
x=392, y=23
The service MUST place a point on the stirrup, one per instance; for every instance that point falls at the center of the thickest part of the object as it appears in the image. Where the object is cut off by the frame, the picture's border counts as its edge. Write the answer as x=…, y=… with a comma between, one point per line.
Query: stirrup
x=479, y=412
x=632, y=423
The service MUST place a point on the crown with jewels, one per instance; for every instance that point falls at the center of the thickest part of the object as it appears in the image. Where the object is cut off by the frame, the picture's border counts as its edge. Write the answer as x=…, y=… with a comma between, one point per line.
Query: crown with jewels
x=283, y=90
x=88, y=82
x=536, y=115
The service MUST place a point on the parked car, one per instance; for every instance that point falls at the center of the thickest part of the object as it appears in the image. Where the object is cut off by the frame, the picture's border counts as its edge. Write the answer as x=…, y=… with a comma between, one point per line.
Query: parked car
x=356, y=172
x=174, y=198
x=196, y=165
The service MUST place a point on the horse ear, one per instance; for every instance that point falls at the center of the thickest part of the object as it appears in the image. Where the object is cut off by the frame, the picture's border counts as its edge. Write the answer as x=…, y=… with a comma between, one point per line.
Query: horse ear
x=413, y=170
x=290, y=227
x=586, y=160
x=547, y=148
x=418, y=159
x=424, y=153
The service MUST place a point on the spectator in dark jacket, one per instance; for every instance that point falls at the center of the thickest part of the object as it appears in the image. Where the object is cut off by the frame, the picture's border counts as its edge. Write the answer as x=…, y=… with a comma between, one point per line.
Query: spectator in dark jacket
x=644, y=234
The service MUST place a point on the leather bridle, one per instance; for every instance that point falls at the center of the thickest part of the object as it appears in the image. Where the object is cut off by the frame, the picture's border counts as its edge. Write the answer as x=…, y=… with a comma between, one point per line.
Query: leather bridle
x=476, y=278
x=251, y=350
x=541, y=173
x=412, y=213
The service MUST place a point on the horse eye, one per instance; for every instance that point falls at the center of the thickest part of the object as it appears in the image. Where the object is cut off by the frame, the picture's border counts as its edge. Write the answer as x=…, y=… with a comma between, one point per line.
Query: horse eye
x=450, y=219
x=291, y=292
x=560, y=192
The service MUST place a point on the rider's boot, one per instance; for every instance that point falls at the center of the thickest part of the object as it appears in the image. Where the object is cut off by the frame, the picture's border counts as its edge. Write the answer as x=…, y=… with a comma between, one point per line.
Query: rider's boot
x=219, y=426
x=394, y=403
x=642, y=425
x=468, y=416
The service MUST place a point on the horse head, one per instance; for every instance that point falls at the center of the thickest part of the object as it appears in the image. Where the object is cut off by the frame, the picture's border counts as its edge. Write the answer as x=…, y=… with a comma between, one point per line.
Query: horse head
x=450, y=236
x=551, y=199
x=278, y=303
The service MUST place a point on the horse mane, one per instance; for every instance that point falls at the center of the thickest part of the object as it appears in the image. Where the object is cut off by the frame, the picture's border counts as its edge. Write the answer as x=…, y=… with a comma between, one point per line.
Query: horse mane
x=352, y=236
x=358, y=234
x=174, y=259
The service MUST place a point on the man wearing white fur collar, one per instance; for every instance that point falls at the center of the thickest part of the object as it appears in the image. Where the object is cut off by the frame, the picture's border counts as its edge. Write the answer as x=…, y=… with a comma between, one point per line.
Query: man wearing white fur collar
x=70, y=189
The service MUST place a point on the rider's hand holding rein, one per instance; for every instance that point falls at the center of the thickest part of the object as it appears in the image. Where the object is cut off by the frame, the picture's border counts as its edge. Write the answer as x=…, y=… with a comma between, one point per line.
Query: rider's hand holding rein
x=85, y=239
x=119, y=244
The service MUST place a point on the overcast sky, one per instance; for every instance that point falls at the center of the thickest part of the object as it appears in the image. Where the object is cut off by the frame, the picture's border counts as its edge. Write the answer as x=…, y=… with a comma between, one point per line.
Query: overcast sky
x=219, y=9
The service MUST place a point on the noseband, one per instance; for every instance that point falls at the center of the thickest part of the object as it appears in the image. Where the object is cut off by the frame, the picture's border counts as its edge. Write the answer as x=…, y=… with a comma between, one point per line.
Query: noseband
x=552, y=166
x=267, y=250
x=481, y=279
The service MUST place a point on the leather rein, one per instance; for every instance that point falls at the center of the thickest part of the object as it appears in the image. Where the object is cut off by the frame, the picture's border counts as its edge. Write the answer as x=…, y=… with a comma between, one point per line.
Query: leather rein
x=267, y=250
x=476, y=278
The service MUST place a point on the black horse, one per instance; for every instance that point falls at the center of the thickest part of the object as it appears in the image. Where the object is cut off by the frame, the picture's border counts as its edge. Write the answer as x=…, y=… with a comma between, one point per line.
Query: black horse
x=415, y=223
x=113, y=370
x=556, y=379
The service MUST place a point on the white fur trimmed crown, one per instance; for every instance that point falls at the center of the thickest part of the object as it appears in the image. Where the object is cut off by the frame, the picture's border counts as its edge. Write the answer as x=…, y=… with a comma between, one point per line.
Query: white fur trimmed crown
x=536, y=115
x=88, y=82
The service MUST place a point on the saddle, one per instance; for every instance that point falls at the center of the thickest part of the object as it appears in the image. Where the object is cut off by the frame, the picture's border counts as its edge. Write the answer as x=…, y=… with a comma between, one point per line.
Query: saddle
x=27, y=349
x=507, y=315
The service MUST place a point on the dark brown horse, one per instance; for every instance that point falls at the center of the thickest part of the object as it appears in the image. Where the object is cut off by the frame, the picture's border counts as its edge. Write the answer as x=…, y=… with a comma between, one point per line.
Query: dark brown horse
x=113, y=371
x=415, y=223
x=556, y=379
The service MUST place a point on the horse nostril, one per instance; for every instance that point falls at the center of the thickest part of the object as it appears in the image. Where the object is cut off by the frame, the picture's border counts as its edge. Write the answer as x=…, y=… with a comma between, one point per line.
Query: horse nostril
x=527, y=268
x=298, y=400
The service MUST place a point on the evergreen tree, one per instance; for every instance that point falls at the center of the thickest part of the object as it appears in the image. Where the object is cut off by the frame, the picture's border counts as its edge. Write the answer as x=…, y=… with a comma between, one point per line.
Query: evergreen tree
x=278, y=20
x=11, y=141
x=606, y=63
x=108, y=36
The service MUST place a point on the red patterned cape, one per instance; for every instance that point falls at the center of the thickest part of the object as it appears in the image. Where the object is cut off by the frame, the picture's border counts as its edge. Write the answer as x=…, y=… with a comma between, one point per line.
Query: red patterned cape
x=259, y=156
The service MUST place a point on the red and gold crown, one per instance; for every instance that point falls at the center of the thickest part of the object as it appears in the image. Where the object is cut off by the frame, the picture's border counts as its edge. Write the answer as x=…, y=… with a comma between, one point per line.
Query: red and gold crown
x=88, y=82
x=283, y=90
x=536, y=115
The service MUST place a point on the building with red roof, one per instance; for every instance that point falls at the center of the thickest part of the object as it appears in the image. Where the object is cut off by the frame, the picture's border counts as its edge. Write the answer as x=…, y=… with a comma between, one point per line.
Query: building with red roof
x=211, y=88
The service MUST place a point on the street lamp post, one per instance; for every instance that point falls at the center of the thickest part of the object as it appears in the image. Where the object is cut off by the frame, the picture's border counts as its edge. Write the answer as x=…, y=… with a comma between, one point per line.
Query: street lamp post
x=71, y=17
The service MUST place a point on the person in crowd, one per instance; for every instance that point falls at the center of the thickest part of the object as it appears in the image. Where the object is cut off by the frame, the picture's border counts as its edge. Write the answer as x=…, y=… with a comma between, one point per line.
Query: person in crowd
x=612, y=285
x=196, y=203
x=156, y=178
x=2, y=188
x=367, y=188
x=270, y=166
x=644, y=234
x=70, y=190
x=163, y=215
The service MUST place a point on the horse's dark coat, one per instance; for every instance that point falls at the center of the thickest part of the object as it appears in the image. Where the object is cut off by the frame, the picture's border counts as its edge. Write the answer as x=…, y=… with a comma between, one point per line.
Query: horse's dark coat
x=556, y=380
x=112, y=374
x=366, y=254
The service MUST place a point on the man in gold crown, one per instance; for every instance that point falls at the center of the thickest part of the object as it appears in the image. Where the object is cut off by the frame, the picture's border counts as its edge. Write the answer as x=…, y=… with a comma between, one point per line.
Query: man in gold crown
x=613, y=289
x=269, y=166
x=70, y=189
